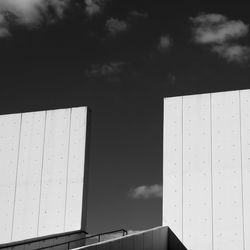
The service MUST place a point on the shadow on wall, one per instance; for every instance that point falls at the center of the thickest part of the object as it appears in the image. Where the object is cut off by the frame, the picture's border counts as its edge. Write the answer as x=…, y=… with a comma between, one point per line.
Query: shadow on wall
x=160, y=238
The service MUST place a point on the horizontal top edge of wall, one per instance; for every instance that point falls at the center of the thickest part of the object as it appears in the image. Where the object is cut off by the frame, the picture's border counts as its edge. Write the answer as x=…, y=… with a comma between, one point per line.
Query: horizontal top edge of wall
x=206, y=93
x=45, y=110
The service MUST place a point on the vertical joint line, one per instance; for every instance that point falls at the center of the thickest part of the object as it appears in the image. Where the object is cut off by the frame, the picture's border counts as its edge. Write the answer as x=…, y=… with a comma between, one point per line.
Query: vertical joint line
x=67, y=171
x=182, y=198
x=41, y=181
x=163, y=164
x=211, y=156
x=85, y=172
x=18, y=151
x=241, y=169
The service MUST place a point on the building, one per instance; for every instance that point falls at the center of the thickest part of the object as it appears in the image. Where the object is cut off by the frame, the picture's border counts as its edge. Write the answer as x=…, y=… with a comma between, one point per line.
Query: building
x=160, y=238
x=43, y=177
x=206, y=180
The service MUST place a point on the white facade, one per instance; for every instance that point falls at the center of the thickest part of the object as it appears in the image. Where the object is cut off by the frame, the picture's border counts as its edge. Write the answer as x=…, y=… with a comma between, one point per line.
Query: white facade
x=206, y=173
x=42, y=157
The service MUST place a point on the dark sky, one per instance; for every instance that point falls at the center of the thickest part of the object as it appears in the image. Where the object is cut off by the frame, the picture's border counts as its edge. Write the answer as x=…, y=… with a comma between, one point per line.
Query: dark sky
x=122, y=77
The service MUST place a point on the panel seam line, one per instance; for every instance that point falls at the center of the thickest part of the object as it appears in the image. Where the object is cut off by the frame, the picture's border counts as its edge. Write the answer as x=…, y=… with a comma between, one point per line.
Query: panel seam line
x=18, y=155
x=67, y=171
x=182, y=170
x=40, y=195
x=84, y=169
x=241, y=170
x=211, y=154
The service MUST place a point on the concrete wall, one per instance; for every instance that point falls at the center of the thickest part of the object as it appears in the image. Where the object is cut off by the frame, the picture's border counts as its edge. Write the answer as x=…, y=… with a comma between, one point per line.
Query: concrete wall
x=42, y=157
x=206, y=179
x=61, y=240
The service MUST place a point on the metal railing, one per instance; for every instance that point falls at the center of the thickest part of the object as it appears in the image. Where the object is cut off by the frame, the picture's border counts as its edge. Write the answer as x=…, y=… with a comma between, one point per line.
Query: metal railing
x=40, y=239
x=98, y=236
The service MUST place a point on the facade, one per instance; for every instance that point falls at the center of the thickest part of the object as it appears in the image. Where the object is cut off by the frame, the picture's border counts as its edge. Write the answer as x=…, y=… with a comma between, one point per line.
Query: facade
x=160, y=238
x=206, y=172
x=206, y=177
x=42, y=176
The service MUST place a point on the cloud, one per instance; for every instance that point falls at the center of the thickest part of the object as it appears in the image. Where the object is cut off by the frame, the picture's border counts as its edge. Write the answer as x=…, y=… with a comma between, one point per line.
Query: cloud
x=107, y=69
x=29, y=13
x=146, y=192
x=117, y=235
x=111, y=236
x=134, y=231
x=94, y=7
x=4, y=27
x=171, y=78
x=221, y=35
x=233, y=53
x=136, y=14
x=216, y=28
x=165, y=43
x=115, y=26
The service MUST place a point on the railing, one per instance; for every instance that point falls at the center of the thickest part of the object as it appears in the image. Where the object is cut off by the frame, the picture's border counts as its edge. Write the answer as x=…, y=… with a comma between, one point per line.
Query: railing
x=39, y=239
x=98, y=236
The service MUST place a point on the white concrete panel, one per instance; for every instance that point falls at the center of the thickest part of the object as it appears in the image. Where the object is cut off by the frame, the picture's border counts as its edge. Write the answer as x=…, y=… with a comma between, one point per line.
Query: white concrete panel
x=172, y=162
x=197, y=204
x=42, y=172
x=29, y=176
x=9, y=145
x=226, y=162
x=245, y=139
x=76, y=161
x=54, y=175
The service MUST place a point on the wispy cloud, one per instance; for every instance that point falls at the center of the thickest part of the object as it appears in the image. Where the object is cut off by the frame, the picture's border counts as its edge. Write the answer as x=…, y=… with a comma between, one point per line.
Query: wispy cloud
x=4, y=27
x=233, y=53
x=216, y=28
x=106, y=69
x=146, y=192
x=136, y=14
x=117, y=235
x=134, y=231
x=94, y=7
x=222, y=35
x=165, y=43
x=171, y=78
x=29, y=13
x=115, y=26
x=111, y=236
